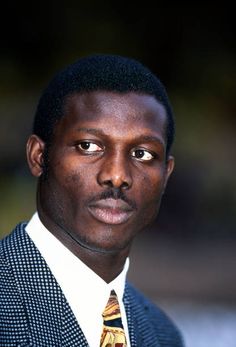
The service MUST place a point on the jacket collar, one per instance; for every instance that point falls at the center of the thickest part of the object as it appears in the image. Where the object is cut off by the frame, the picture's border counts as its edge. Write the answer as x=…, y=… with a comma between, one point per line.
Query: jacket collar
x=49, y=317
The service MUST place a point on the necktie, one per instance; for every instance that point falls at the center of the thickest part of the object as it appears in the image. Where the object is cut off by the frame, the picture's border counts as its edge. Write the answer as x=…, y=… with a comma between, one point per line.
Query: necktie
x=113, y=334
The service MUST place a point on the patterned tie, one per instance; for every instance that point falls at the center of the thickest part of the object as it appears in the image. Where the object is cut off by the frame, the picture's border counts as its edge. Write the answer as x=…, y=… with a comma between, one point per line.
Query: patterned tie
x=113, y=334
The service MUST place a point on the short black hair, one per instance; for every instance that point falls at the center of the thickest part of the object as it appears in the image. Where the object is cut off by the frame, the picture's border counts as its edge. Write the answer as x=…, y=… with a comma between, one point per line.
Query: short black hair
x=98, y=72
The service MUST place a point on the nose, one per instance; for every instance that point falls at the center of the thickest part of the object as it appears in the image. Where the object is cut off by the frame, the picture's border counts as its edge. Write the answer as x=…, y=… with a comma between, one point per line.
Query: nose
x=115, y=173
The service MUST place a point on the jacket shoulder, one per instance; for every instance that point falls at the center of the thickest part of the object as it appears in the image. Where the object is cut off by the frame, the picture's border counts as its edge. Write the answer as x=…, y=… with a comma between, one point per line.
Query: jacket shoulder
x=13, y=322
x=8, y=245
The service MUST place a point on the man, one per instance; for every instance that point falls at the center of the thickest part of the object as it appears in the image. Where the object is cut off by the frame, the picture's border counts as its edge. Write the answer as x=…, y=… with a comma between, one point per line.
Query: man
x=100, y=149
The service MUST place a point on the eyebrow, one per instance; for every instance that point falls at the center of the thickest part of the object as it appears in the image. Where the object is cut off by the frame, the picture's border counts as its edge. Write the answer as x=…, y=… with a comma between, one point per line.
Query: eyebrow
x=150, y=138
x=92, y=131
x=142, y=138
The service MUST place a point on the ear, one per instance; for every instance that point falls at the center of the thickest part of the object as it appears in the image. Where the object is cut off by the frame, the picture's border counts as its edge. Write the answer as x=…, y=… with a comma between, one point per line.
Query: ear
x=170, y=164
x=34, y=151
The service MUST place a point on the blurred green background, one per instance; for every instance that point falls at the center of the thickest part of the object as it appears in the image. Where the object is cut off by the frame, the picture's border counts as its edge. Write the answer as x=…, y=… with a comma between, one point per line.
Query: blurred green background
x=190, y=251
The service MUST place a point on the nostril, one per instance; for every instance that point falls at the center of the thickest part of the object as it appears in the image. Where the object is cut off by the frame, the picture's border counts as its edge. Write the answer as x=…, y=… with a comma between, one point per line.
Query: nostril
x=125, y=185
x=107, y=183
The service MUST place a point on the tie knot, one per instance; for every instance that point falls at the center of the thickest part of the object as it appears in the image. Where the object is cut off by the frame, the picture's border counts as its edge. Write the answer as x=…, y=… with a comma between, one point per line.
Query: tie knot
x=112, y=309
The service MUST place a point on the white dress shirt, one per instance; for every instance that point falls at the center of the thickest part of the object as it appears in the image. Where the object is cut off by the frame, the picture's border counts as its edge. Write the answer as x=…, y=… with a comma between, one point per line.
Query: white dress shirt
x=86, y=292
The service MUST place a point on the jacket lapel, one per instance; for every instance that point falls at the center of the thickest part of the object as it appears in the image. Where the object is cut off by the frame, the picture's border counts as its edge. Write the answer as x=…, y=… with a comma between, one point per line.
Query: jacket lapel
x=72, y=334
x=140, y=330
x=49, y=317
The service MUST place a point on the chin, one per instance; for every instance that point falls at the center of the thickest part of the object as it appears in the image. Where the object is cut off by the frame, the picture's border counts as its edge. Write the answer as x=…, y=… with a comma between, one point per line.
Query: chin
x=104, y=244
x=102, y=238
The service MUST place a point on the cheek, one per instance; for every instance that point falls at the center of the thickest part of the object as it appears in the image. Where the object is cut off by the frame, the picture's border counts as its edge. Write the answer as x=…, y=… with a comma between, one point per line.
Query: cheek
x=63, y=186
x=73, y=179
x=76, y=186
x=63, y=198
x=152, y=186
x=72, y=186
x=67, y=173
x=150, y=195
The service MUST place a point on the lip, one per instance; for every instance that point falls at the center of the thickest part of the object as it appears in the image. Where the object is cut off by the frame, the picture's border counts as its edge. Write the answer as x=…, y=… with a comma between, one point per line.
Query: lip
x=111, y=211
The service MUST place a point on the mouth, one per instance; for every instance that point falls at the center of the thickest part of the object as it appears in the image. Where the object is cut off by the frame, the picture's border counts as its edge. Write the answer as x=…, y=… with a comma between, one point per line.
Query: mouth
x=111, y=211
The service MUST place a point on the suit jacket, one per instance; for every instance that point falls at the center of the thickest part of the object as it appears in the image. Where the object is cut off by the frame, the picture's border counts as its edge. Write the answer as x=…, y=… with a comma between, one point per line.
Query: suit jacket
x=35, y=312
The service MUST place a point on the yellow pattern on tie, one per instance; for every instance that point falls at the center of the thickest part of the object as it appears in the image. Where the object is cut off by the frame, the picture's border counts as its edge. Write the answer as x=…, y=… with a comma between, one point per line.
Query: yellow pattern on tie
x=113, y=334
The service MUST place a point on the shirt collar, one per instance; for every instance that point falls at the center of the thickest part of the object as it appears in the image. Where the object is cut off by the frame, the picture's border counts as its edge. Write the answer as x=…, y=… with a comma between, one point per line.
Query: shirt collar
x=71, y=273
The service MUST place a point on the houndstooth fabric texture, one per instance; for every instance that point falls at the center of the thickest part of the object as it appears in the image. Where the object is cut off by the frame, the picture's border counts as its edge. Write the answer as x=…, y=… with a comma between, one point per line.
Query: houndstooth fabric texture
x=34, y=311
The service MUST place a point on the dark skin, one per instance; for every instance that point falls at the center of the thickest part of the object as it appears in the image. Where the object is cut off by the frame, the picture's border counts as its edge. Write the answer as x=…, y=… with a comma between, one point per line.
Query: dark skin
x=107, y=172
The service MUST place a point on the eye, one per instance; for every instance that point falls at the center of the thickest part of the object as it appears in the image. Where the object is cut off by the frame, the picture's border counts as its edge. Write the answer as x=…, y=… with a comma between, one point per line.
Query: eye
x=142, y=154
x=89, y=147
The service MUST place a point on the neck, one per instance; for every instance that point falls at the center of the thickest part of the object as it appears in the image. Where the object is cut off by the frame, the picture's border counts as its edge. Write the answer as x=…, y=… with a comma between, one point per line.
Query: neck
x=107, y=265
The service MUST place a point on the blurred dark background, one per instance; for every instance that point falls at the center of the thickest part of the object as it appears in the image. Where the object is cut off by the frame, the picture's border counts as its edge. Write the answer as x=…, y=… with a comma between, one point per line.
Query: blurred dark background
x=189, y=255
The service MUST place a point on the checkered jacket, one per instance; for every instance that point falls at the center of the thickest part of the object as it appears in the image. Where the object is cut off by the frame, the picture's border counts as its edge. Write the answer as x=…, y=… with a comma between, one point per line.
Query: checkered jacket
x=35, y=312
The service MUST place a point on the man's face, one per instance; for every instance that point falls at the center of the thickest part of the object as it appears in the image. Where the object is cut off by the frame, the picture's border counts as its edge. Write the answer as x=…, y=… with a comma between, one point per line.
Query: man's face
x=107, y=169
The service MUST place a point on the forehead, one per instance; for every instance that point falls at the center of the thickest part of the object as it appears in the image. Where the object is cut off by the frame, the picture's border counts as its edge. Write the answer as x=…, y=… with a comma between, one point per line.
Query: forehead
x=111, y=110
